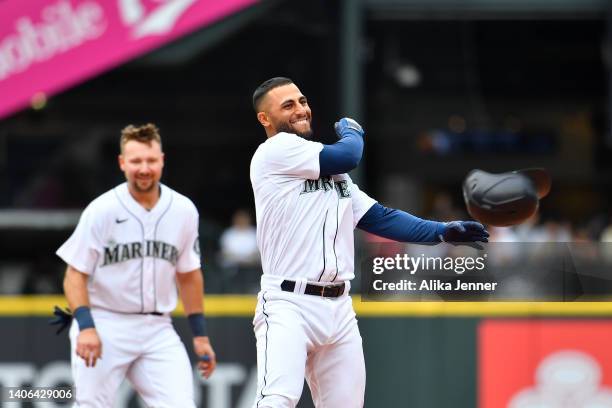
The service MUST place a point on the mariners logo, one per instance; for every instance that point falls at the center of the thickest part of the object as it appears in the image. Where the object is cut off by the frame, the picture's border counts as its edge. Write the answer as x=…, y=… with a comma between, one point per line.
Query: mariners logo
x=325, y=184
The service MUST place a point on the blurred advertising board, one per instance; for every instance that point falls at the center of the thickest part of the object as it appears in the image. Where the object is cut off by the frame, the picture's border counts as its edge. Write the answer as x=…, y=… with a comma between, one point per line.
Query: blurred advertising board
x=47, y=46
x=545, y=363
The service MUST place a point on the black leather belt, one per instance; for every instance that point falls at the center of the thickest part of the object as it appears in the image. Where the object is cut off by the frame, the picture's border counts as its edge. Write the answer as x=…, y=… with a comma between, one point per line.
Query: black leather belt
x=140, y=313
x=328, y=291
x=136, y=313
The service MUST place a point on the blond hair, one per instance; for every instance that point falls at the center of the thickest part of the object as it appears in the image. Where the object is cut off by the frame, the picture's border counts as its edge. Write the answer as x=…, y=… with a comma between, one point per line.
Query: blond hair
x=144, y=134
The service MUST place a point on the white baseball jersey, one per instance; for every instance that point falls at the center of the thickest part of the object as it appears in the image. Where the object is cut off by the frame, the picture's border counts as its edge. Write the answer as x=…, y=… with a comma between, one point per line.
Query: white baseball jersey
x=305, y=222
x=131, y=254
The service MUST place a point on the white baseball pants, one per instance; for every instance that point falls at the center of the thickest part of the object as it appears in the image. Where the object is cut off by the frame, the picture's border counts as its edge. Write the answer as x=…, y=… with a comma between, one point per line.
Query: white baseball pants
x=144, y=348
x=304, y=336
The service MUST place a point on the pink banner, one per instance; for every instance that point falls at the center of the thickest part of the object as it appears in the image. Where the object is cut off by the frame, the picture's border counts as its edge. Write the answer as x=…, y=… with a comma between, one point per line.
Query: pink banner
x=47, y=46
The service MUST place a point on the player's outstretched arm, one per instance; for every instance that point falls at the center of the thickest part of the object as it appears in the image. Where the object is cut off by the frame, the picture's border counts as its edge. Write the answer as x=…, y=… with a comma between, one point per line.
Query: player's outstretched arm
x=89, y=346
x=344, y=155
x=191, y=290
x=401, y=226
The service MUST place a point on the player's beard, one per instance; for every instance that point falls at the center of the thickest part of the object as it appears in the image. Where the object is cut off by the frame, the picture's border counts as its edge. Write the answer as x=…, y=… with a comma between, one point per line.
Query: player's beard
x=150, y=187
x=288, y=128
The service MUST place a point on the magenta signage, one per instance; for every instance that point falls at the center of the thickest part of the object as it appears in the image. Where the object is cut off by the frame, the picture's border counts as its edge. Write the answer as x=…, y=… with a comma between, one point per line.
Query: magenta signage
x=49, y=45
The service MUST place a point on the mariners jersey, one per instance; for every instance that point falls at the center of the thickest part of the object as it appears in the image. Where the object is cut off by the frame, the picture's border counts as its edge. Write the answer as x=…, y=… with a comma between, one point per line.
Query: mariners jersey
x=132, y=254
x=305, y=222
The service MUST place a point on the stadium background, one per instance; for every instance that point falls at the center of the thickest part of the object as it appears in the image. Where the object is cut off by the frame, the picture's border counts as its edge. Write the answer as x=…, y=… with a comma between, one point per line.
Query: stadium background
x=441, y=87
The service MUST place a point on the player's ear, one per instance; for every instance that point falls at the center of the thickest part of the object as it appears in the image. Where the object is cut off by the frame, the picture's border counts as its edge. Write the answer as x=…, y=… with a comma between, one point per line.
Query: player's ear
x=263, y=119
x=121, y=162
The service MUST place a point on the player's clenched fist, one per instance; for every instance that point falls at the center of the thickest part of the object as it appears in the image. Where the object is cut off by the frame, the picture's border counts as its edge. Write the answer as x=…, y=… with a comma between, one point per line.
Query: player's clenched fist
x=89, y=346
x=347, y=126
x=204, y=350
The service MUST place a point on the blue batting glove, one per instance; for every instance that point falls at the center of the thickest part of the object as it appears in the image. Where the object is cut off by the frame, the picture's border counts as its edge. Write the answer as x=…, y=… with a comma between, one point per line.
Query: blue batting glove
x=347, y=126
x=464, y=231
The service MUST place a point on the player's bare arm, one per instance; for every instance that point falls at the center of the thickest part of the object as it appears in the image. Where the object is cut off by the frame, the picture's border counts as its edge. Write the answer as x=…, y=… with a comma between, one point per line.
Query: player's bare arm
x=89, y=346
x=191, y=290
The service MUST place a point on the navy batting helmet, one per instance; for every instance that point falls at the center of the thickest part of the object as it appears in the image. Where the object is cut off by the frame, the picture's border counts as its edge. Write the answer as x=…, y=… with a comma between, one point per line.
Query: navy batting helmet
x=507, y=198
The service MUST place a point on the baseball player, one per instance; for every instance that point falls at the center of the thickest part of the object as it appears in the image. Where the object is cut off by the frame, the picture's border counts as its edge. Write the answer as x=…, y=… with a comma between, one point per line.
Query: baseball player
x=130, y=249
x=307, y=208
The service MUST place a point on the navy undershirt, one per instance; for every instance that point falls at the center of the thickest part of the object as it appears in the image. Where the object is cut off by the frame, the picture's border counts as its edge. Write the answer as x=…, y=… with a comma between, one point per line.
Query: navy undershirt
x=399, y=225
x=342, y=156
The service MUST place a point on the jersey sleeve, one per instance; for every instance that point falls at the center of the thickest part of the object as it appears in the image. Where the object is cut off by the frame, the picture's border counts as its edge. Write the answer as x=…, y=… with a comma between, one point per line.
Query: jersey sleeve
x=189, y=257
x=361, y=202
x=288, y=154
x=81, y=250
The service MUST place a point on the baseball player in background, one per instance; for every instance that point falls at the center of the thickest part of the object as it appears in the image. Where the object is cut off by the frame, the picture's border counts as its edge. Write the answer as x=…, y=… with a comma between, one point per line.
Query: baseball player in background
x=130, y=249
x=307, y=208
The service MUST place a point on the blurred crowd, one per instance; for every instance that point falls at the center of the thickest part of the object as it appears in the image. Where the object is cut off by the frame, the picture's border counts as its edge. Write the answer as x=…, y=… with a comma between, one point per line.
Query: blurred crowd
x=539, y=228
x=232, y=264
x=544, y=258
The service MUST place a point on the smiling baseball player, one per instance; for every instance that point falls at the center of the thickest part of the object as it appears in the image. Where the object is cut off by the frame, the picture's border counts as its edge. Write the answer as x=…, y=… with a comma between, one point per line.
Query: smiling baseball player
x=131, y=247
x=307, y=208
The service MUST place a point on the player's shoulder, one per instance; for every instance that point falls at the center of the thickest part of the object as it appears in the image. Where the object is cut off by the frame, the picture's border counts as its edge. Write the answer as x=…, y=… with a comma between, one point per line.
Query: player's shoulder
x=282, y=140
x=280, y=143
x=180, y=201
x=270, y=147
x=283, y=137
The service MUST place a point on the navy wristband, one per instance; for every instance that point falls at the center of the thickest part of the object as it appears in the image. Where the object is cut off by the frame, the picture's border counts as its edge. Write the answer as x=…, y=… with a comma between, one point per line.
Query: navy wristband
x=197, y=324
x=82, y=314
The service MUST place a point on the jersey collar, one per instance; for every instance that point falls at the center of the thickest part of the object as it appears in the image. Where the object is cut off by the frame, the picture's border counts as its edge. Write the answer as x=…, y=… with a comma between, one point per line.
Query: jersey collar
x=138, y=210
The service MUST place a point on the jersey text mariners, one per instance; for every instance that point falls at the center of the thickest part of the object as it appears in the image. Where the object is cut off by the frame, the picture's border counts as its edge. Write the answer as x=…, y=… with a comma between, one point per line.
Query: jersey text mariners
x=131, y=254
x=304, y=222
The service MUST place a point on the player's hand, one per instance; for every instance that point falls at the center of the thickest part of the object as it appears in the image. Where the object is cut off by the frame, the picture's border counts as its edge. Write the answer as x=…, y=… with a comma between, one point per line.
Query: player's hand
x=347, y=126
x=204, y=350
x=465, y=232
x=89, y=346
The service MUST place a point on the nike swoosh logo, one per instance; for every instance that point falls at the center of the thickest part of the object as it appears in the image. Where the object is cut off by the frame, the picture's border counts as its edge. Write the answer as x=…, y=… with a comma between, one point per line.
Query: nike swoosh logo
x=118, y=221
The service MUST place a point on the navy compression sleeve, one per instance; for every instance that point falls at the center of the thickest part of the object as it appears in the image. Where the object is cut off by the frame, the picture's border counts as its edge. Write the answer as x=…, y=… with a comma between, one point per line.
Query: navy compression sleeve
x=341, y=157
x=399, y=225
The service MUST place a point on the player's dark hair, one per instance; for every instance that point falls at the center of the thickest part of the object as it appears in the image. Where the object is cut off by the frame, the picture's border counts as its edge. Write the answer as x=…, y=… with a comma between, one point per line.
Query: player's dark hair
x=144, y=134
x=266, y=87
